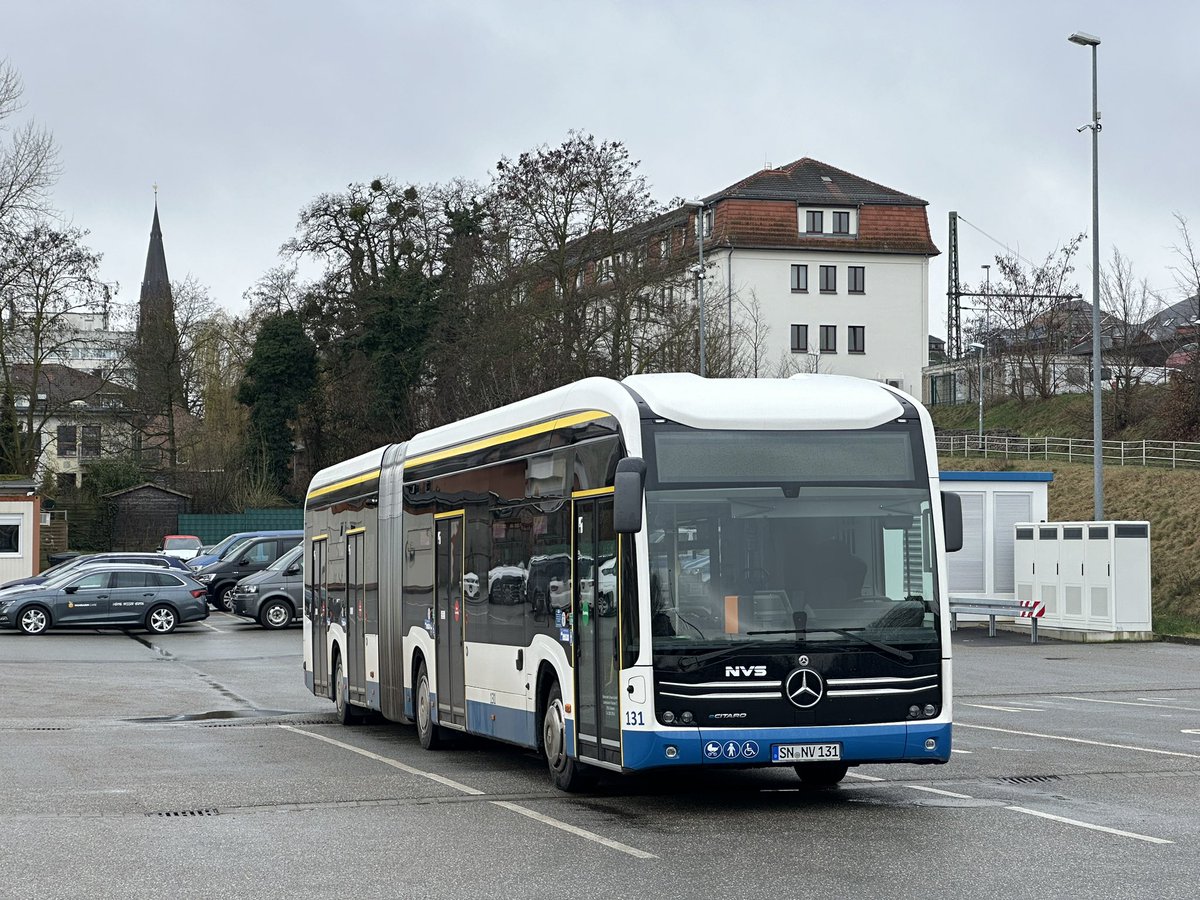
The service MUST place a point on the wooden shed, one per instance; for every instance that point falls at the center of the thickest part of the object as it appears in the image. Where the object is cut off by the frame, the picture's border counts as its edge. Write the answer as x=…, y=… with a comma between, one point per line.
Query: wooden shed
x=144, y=513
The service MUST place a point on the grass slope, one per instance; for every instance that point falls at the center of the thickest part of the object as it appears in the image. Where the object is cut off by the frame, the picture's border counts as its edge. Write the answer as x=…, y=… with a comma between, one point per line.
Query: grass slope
x=1168, y=498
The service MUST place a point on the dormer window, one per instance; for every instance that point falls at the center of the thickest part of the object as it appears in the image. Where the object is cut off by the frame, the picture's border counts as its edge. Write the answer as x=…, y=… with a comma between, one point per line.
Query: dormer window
x=841, y=222
x=814, y=221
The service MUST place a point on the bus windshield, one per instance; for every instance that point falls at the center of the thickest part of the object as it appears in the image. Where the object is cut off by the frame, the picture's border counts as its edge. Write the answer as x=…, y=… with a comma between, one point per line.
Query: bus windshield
x=731, y=564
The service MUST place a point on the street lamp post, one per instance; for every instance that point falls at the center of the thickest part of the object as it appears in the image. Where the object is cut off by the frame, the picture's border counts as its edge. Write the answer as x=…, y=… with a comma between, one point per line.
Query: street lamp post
x=698, y=205
x=978, y=348
x=987, y=329
x=1088, y=40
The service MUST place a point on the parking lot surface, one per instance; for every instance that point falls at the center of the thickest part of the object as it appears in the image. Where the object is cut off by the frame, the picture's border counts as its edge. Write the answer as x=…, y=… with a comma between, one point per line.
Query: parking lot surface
x=197, y=765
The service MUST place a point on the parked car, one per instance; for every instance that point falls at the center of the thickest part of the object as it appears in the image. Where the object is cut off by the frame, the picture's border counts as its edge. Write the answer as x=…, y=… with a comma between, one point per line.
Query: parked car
x=149, y=559
x=181, y=546
x=111, y=595
x=606, y=585
x=244, y=558
x=273, y=597
x=218, y=550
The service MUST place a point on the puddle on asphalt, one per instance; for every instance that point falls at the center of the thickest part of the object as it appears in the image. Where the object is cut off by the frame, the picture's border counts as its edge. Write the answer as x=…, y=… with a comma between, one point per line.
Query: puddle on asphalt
x=214, y=714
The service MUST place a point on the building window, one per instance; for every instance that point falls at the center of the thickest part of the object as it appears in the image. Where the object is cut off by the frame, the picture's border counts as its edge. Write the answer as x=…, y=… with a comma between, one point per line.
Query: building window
x=857, y=276
x=841, y=223
x=800, y=278
x=799, y=338
x=66, y=480
x=66, y=440
x=829, y=339
x=10, y=535
x=856, y=339
x=708, y=222
x=89, y=447
x=828, y=279
x=814, y=221
x=664, y=248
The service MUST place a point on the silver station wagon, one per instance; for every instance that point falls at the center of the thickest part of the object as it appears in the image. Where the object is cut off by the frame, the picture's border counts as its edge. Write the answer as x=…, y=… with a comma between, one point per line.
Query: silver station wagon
x=116, y=596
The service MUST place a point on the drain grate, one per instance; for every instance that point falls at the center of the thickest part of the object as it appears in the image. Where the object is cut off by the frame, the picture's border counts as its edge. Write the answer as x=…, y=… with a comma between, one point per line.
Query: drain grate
x=45, y=728
x=1029, y=779
x=184, y=813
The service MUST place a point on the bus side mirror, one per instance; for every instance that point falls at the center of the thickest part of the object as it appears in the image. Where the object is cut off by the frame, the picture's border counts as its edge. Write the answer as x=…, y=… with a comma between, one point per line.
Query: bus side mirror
x=629, y=486
x=952, y=523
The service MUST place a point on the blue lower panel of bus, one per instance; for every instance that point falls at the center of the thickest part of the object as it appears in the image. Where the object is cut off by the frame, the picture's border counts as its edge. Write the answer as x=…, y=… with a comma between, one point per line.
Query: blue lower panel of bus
x=752, y=746
x=505, y=723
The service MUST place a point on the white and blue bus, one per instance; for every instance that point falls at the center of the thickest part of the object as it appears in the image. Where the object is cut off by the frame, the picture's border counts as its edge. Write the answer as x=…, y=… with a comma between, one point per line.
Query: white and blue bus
x=659, y=572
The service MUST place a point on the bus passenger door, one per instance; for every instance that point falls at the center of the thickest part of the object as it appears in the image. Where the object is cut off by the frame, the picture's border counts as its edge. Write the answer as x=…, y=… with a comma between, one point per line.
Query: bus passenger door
x=449, y=617
x=356, y=670
x=597, y=626
x=319, y=610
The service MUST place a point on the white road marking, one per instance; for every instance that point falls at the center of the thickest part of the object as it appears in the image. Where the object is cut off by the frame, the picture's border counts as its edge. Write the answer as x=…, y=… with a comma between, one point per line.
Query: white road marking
x=1045, y=815
x=1002, y=708
x=1078, y=824
x=1130, y=703
x=466, y=789
x=211, y=628
x=862, y=777
x=961, y=751
x=573, y=829
x=929, y=790
x=1059, y=737
x=395, y=764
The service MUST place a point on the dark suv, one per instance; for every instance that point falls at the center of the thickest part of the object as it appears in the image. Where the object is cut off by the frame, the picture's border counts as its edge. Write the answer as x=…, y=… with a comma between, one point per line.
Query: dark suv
x=252, y=555
x=274, y=596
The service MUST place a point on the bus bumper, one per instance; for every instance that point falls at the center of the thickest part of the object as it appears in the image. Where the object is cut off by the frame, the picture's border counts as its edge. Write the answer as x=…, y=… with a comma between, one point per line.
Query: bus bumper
x=895, y=742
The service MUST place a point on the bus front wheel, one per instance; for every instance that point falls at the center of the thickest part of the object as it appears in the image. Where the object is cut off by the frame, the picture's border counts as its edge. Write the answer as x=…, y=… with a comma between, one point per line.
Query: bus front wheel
x=821, y=774
x=568, y=773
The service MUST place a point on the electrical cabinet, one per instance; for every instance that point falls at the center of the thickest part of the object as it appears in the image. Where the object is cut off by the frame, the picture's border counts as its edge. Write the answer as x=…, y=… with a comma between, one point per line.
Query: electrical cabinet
x=1092, y=576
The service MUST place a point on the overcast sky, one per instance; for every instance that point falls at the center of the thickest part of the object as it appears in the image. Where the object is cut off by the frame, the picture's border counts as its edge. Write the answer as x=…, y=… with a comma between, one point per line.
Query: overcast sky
x=244, y=111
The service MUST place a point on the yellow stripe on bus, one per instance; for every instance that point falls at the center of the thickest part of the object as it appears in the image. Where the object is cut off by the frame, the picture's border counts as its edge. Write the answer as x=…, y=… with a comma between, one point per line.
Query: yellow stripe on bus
x=337, y=486
x=505, y=437
x=593, y=492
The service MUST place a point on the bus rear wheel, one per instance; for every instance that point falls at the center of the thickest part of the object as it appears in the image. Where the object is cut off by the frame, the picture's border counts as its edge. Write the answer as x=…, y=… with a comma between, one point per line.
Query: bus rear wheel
x=428, y=733
x=821, y=774
x=568, y=773
x=345, y=711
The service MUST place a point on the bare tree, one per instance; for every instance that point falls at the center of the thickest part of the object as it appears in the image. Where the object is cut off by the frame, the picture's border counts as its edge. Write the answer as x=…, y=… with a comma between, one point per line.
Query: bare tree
x=1128, y=302
x=47, y=277
x=1183, y=400
x=1035, y=319
x=28, y=158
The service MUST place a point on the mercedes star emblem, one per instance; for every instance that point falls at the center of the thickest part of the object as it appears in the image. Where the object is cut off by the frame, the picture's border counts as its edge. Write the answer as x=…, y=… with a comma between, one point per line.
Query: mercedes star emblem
x=804, y=688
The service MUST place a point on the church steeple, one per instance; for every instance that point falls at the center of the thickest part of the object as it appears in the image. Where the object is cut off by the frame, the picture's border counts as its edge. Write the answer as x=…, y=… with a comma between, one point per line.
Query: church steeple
x=157, y=351
x=156, y=284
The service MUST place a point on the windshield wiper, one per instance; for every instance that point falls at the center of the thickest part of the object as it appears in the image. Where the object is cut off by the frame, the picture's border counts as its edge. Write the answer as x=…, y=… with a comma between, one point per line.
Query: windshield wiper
x=687, y=663
x=850, y=633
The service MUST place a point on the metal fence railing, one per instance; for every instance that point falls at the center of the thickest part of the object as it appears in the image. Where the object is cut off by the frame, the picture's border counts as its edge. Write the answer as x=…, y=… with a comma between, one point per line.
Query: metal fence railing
x=1171, y=454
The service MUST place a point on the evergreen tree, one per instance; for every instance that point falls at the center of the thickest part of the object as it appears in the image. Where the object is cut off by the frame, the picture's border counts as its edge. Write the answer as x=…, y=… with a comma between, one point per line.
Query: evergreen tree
x=279, y=381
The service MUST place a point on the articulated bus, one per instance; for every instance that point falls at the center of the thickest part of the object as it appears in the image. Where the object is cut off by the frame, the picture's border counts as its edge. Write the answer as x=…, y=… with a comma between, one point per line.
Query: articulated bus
x=659, y=572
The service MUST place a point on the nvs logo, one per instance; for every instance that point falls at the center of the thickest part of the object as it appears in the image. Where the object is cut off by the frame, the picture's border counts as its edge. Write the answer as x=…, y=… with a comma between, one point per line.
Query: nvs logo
x=738, y=671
